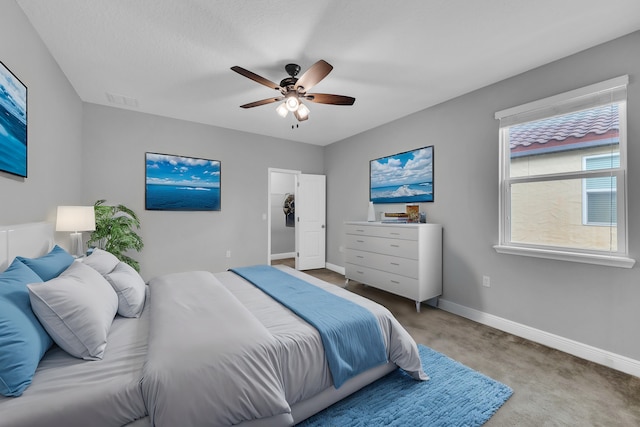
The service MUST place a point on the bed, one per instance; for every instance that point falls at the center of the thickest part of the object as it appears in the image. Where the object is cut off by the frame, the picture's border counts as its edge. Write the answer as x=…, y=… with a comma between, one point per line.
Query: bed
x=205, y=348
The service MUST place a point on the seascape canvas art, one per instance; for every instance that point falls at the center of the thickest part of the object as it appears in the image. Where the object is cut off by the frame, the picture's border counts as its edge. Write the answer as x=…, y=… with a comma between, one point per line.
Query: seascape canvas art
x=402, y=178
x=180, y=183
x=13, y=123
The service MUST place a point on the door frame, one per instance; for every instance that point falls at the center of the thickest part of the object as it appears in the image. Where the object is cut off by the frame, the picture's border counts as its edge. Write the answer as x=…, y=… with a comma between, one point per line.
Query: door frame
x=269, y=172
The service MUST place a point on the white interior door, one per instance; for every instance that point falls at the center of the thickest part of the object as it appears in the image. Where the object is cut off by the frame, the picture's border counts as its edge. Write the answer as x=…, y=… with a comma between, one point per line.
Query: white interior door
x=310, y=221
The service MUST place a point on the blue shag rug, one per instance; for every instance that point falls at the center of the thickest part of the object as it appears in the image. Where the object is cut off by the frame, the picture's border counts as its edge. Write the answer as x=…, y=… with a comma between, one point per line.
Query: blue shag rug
x=455, y=395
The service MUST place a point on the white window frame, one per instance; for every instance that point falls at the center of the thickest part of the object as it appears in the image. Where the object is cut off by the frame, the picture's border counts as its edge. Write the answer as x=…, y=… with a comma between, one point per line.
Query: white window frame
x=613, y=90
x=586, y=192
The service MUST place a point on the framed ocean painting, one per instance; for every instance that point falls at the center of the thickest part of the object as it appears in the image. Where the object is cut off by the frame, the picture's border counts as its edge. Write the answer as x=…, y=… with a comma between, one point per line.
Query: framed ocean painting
x=13, y=124
x=402, y=178
x=180, y=183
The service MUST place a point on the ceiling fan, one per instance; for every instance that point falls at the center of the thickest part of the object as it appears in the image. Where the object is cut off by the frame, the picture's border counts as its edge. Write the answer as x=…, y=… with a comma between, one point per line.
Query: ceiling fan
x=293, y=90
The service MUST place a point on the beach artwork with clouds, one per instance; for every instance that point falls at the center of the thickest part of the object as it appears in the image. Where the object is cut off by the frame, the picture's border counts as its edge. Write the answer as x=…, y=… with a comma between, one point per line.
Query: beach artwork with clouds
x=181, y=183
x=403, y=178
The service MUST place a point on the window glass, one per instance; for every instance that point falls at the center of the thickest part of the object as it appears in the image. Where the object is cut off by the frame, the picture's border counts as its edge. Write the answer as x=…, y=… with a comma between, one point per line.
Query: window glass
x=558, y=144
x=549, y=213
x=600, y=194
x=563, y=174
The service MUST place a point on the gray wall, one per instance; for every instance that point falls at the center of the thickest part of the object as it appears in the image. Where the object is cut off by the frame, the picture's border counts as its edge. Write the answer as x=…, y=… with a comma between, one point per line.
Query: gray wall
x=115, y=141
x=54, y=123
x=590, y=304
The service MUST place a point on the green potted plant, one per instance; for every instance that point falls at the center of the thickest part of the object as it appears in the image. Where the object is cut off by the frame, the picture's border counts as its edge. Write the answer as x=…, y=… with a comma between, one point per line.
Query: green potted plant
x=115, y=231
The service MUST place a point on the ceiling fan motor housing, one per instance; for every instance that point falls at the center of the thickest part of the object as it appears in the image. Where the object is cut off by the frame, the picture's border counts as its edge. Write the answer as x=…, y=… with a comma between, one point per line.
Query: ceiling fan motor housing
x=292, y=69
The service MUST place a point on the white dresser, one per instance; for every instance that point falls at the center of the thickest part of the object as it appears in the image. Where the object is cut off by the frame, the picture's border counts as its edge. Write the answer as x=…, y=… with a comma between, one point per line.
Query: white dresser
x=404, y=259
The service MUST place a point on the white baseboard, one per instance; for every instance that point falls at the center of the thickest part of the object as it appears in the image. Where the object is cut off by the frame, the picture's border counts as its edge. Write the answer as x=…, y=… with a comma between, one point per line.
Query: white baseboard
x=336, y=268
x=283, y=256
x=584, y=351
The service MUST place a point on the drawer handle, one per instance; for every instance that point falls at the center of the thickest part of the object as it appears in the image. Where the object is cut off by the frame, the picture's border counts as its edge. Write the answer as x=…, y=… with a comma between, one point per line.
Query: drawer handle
x=395, y=263
x=395, y=282
x=360, y=231
x=395, y=246
x=395, y=234
x=360, y=241
x=359, y=272
x=359, y=256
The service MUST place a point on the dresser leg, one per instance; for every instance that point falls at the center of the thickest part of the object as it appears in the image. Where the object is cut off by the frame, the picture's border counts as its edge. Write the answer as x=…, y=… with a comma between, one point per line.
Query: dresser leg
x=418, y=306
x=346, y=282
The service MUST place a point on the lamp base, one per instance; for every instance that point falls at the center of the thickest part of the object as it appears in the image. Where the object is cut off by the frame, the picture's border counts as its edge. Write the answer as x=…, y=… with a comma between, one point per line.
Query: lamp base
x=77, y=245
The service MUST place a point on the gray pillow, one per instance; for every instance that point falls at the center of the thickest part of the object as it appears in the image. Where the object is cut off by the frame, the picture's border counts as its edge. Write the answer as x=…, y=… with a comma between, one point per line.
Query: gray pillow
x=102, y=261
x=76, y=309
x=130, y=289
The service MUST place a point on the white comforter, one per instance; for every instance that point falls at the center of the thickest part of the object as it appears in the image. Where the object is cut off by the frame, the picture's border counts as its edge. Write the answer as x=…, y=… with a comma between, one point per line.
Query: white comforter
x=216, y=361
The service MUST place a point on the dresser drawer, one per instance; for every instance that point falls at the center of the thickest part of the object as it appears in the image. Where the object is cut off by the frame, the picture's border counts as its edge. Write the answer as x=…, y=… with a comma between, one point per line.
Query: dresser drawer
x=408, y=233
x=396, y=284
x=385, y=246
x=403, y=266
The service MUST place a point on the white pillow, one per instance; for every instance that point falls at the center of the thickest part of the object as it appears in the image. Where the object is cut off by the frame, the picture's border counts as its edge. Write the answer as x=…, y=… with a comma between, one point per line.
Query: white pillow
x=76, y=309
x=130, y=289
x=102, y=261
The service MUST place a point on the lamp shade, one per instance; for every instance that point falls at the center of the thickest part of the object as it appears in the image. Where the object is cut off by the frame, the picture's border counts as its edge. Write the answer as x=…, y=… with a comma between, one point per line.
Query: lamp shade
x=76, y=218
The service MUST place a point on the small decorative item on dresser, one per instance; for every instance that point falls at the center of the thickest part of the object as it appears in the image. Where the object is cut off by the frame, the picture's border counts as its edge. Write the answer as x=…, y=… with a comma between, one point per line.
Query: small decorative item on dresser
x=413, y=214
x=372, y=213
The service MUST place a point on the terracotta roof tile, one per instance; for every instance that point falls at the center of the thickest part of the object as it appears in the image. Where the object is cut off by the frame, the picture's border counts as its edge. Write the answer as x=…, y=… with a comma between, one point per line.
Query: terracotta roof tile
x=595, y=121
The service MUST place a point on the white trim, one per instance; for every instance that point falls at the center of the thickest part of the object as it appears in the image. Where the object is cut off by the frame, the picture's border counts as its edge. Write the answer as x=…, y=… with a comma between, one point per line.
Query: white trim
x=606, y=85
x=335, y=268
x=285, y=255
x=584, y=351
x=560, y=255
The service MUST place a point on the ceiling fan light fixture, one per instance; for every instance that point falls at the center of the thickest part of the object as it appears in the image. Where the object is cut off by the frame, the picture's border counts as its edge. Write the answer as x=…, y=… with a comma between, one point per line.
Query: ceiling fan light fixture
x=292, y=102
x=282, y=110
x=302, y=112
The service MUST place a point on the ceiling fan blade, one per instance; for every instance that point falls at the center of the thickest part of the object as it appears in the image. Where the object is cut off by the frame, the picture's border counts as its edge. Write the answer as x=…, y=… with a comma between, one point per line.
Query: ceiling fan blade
x=256, y=78
x=313, y=75
x=325, y=98
x=262, y=102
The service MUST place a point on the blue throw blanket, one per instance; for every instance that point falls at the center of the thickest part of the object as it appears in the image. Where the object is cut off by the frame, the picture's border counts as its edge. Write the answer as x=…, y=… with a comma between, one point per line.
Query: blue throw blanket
x=350, y=333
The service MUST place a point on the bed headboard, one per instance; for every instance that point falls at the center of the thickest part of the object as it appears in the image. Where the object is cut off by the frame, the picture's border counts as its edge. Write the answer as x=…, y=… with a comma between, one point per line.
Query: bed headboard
x=30, y=240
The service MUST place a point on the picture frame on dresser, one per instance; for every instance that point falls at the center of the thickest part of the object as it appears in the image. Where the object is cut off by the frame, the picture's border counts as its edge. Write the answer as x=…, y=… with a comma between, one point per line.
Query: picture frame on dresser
x=13, y=123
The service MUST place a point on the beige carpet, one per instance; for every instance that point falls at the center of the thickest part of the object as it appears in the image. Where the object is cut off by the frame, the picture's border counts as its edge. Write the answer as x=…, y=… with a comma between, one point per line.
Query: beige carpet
x=551, y=388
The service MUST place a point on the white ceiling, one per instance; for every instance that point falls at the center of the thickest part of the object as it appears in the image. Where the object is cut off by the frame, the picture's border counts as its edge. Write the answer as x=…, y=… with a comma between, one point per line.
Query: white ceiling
x=173, y=57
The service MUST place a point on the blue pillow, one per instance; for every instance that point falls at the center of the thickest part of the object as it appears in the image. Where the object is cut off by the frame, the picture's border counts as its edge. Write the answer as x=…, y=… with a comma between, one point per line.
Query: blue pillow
x=23, y=340
x=50, y=265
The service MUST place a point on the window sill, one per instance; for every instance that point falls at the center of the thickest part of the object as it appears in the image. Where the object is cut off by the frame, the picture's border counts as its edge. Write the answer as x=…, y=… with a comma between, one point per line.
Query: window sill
x=610, y=261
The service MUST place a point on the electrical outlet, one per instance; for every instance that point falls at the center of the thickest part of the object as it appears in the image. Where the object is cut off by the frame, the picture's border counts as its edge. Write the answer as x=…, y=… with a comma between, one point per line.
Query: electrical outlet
x=486, y=281
x=228, y=253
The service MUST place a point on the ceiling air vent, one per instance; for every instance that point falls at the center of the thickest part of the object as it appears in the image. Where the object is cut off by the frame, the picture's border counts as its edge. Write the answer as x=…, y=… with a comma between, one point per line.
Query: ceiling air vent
x=122, y=100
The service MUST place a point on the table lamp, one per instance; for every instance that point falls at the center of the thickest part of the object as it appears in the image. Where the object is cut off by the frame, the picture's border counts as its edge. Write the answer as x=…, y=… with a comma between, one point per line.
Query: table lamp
x=76, y=219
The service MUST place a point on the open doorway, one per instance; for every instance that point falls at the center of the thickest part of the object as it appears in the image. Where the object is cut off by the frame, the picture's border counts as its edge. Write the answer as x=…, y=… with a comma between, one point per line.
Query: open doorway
x=281, y=240
x=297, y=207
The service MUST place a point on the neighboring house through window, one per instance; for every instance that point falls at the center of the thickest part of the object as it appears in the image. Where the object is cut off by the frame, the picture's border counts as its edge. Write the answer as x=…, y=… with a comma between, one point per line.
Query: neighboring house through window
x=599, y=206
x=563, y=176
